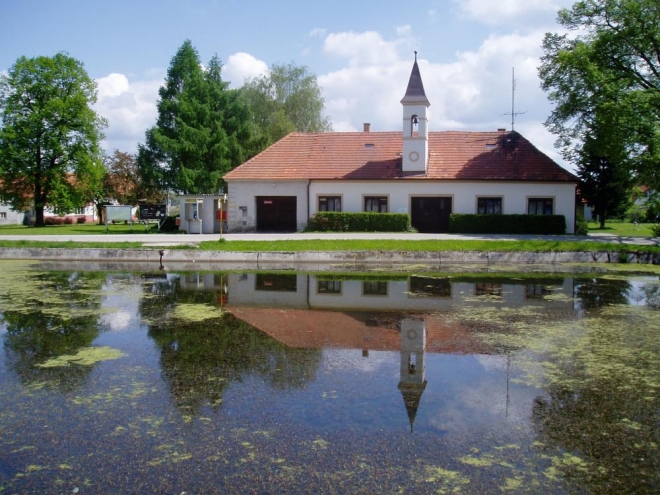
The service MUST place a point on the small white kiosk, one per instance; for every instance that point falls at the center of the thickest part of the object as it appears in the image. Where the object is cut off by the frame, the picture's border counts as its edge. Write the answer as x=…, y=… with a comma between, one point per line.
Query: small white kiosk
x=202, y=213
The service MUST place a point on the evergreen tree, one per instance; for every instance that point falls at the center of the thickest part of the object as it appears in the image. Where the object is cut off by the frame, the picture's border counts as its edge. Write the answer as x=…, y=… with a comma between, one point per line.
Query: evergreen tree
x=198, y=136
x=605, y=182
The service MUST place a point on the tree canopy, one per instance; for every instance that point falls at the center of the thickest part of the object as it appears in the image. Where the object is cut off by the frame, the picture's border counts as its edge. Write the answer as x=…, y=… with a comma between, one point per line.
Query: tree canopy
x=285, y=99
x=603, y=75
x=49, y=137
x=203, y=128
x=604, y=182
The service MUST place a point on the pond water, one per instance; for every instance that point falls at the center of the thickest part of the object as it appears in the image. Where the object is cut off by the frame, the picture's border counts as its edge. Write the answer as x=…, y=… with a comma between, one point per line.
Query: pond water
x=200, y=383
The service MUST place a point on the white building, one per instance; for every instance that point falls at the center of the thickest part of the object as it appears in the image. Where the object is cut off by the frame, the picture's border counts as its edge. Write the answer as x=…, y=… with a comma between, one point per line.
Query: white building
x=426, y=174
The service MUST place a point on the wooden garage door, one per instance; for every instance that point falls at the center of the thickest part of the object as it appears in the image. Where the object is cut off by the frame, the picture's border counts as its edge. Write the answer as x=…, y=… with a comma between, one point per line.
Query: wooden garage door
x=276, y=213
x=430, y=214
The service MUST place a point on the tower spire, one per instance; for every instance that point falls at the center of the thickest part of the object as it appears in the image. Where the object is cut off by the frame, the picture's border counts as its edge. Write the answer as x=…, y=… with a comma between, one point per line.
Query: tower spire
x=415, y=104
x=415, y=91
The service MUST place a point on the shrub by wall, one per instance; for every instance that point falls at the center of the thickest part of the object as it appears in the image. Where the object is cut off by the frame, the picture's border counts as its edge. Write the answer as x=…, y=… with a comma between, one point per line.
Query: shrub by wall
x=581, y=226
x=53, y=220
x=507, y=224
x=336, y=221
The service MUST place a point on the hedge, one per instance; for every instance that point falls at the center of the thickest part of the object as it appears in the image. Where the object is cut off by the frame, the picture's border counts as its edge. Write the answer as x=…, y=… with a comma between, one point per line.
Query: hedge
x=336, y=221
x=507, y=224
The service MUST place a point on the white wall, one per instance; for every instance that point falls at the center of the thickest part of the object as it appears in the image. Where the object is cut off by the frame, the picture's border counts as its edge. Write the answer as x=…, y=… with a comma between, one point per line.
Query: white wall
x=464, y=195
x=8, y=216
x=243, y=194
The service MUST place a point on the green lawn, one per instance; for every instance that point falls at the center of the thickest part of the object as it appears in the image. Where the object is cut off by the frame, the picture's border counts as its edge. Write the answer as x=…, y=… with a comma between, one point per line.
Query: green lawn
x=624, y=229
x=359, y=245
x=76, y=229
x=413, y=245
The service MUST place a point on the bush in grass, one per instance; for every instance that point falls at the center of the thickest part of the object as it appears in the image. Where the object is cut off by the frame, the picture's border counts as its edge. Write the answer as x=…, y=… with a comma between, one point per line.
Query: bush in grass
x=507, y=224
x=68, y=220
x=581, y=226
x=53, y=221
x=655, y=230
x=81, y=219
x=339, y=221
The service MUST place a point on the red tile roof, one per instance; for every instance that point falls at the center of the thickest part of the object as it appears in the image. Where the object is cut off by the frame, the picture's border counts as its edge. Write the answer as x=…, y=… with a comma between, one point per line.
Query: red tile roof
x=499, y=156
x=317, y=329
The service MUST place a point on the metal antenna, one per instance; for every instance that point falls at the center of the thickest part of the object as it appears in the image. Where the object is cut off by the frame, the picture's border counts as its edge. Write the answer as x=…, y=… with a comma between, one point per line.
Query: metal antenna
x=513, y=112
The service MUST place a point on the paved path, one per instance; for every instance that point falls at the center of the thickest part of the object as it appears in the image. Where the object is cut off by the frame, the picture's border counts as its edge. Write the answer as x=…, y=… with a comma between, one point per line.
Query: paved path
x=178, y=239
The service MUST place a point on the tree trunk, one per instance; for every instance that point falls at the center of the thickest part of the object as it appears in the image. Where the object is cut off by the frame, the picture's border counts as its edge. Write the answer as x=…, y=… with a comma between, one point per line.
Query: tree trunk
x=39, y=216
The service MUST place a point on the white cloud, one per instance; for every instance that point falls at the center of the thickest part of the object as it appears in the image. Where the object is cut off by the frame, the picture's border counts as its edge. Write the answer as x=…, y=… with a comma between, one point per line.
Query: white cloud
x=317, y=33
x=403, y=30
x=365, y=49
x=241, y=67
x=508, y=11
x=129, y=107
x=471, y=93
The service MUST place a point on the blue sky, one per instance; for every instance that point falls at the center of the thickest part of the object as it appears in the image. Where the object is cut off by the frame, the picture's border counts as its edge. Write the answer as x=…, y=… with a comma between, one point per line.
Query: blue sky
x=361, y=52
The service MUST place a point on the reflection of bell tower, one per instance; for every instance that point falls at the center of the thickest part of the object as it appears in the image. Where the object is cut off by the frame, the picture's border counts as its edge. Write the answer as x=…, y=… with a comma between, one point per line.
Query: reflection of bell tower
x=413, y=367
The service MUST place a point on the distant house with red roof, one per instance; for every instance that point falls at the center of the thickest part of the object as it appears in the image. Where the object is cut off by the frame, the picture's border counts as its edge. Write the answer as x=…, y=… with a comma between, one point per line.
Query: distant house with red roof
x=426, y=174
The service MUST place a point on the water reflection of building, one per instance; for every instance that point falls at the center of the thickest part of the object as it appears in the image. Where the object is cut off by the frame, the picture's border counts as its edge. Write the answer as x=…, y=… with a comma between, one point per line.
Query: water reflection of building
x=405, y=293
x=412, y=375
x=407, y=314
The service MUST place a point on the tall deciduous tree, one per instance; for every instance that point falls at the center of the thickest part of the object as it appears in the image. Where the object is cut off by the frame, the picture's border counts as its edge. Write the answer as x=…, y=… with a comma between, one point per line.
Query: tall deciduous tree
x=202, y=130
x=606, y=69
x=49, y=138
x=286, y=99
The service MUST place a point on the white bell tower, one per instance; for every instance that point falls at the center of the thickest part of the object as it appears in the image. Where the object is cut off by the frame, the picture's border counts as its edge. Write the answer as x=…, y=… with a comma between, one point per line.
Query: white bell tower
x=415, y=124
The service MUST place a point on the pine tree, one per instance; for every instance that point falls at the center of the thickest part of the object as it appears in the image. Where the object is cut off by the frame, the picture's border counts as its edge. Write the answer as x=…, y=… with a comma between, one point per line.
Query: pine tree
x=196, y=139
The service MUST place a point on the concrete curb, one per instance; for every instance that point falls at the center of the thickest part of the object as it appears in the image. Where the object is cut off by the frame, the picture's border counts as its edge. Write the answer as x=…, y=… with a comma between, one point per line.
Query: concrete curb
x=279, y=260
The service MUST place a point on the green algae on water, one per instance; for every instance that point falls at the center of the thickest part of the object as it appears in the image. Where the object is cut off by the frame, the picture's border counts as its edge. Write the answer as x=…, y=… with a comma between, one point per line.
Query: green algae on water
x=86, y=357
x=196, y=312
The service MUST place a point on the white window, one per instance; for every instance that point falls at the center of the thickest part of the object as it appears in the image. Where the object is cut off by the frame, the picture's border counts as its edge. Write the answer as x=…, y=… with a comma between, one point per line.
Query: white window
x=376, y=204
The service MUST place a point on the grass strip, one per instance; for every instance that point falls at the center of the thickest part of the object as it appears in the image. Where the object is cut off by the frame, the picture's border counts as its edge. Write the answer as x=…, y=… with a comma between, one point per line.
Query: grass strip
x=71, y=244
x=358, y=245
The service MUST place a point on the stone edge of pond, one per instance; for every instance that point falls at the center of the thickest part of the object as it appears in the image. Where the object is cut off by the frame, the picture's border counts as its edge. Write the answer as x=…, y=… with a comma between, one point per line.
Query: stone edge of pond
x=322, y=257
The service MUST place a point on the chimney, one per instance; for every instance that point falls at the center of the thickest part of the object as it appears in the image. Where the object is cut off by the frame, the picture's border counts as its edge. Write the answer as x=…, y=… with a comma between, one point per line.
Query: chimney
x=501, y=129
x=367, y=127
